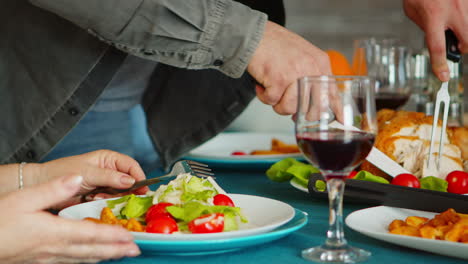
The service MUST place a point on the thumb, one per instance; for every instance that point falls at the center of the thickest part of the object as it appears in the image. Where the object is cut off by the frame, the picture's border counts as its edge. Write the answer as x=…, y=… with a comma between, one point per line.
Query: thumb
x=45, y=195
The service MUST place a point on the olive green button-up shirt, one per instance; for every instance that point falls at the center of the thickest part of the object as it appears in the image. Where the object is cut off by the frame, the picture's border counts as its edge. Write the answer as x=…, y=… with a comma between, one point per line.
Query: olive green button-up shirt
x=57, y=56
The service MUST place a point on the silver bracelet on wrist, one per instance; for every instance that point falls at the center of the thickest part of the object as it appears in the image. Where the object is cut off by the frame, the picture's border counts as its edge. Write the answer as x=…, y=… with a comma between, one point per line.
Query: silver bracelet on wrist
x=20, y=175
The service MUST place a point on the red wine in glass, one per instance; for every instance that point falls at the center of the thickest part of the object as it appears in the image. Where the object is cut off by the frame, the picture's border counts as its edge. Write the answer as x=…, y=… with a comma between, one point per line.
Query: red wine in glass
x=385, y=100
x=335, y=150
x=390, y=100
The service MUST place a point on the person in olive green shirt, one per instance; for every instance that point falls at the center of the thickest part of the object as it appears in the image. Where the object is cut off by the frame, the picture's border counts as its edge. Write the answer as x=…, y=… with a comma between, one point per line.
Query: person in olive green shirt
x=72, y=72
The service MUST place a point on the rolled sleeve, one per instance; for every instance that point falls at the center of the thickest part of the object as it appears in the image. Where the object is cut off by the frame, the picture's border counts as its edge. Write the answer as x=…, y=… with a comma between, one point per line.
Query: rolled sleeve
x=201, y=34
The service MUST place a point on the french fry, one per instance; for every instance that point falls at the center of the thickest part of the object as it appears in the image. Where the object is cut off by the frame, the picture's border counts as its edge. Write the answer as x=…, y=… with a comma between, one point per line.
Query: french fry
x=416, y=221
x=108, y=217
x=448, y=225
x=282, y=147
x=265, y=152
x=277, y=147
x=95, y=220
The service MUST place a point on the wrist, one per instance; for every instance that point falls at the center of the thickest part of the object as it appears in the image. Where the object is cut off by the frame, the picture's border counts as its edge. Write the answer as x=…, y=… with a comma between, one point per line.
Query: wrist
x=32, y=174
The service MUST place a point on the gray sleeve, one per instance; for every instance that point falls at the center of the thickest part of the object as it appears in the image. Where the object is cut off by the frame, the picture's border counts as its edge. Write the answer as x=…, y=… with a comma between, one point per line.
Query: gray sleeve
x=194, y=34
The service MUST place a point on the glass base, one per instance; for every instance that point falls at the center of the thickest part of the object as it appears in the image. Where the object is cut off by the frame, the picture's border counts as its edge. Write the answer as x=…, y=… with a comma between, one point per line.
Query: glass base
x=325, y=254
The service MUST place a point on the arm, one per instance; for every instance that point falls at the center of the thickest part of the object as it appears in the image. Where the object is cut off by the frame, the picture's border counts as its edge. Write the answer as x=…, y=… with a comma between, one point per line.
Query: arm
x=98, y=168
x=201, y=34
x=434, y=17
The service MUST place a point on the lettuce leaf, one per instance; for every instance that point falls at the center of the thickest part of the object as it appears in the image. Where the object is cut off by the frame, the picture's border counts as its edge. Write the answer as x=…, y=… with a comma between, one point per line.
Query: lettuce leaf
x=367, y=176
x=193, y=209
x=289, y=168
x=136, y=206
x=434, y=184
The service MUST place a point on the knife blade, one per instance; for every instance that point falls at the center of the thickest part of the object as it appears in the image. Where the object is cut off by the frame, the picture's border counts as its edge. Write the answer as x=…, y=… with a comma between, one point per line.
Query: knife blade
x=385, y=163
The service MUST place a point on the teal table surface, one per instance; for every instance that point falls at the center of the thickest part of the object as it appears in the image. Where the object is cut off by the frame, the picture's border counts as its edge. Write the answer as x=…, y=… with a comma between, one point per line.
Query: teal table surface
x=288, y=249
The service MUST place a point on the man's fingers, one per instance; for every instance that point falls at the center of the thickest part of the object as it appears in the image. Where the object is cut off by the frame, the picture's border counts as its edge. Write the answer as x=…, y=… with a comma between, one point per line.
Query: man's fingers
x=435, y=38
x=46, y=195
x=288, y=103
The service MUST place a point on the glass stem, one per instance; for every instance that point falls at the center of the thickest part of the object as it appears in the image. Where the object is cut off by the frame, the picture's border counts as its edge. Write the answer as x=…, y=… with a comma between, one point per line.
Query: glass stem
x=335, y=234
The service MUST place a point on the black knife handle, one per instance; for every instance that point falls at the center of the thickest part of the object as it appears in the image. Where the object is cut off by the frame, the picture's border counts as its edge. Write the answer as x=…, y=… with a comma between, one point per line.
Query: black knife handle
x=451, y=44
x=373, y=193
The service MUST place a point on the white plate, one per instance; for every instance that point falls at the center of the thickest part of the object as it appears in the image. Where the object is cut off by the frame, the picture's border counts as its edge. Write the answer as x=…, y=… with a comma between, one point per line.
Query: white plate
x=264, y=214
x=221, y=147
x=298, y=186
x=374, y=222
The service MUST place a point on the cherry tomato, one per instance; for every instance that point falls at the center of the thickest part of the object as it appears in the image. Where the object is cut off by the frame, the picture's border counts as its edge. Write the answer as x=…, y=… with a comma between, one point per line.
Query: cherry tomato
x=406, y=179
x=222, y=199
x=457, y=182
x=238, y=153
x=156, y=210
x=352, y=174
x=162, y=224
x=211, y=223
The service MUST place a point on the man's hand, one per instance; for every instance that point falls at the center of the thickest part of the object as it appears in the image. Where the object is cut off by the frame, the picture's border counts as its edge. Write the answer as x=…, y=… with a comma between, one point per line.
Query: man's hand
x=281, y=58
x=434, y=17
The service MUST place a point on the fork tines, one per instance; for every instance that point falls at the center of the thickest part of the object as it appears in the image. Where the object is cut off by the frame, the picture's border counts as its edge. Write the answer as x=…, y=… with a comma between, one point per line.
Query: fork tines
x=200, y=169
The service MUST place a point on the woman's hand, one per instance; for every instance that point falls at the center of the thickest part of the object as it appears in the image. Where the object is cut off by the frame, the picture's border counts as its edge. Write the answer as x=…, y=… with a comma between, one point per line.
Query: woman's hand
x=434, y=17
x=98, y=168
x=30, y=235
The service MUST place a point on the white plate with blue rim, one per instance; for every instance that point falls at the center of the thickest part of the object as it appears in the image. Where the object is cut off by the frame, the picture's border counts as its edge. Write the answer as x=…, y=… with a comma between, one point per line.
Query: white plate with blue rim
x=269, y=220
x=219, y=150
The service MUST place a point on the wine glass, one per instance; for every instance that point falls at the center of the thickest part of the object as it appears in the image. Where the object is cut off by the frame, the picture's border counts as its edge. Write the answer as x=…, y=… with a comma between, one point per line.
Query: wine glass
x=389, y=63
x=335, y=130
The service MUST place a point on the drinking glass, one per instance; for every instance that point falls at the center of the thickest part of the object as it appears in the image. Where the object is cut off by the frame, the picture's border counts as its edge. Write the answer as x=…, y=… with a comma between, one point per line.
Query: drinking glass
x=335, y=130
x=389, y=63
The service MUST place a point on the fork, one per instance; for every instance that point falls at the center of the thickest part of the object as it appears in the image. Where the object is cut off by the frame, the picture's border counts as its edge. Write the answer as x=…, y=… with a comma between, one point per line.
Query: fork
x=442, y=97
x=453, y=54
x=183, y=166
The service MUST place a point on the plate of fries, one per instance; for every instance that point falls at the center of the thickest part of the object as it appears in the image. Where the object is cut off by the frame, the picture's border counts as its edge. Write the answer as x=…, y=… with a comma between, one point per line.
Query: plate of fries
x=246, y=148
x=444, y=233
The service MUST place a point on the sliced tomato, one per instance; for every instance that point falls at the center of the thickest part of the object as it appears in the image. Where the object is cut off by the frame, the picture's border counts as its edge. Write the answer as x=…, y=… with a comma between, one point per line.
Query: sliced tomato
x=222, y=199
x=162, y=224
x=157, y=209
x=351, y=175
x=457, y=182
x=406, y=179
x=211, y=223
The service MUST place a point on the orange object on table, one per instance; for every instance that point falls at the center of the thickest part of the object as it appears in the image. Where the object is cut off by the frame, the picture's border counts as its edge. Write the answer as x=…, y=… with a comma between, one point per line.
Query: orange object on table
x=339, y=63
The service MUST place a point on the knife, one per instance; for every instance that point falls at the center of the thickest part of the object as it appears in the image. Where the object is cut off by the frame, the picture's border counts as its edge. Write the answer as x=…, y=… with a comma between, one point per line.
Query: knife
x=373, y=193
x=377, y=157
x=385, y=163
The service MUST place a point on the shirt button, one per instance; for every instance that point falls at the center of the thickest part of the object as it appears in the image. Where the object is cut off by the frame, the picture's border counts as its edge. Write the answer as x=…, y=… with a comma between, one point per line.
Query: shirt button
x=31, y=154
x=218, y=63
x=149, y=52
x=73, y=111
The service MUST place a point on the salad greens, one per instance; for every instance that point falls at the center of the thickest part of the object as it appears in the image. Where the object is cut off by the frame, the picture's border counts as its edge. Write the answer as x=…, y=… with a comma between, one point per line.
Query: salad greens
x=191, y=197
x=367, y=176
x=291, y=169
x=130, y=206
x=434, y=183
x=193, y=209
